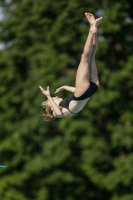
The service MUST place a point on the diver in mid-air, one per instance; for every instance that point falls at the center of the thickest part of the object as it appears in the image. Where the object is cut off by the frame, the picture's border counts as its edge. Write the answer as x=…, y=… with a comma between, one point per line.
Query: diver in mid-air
x=87, y=81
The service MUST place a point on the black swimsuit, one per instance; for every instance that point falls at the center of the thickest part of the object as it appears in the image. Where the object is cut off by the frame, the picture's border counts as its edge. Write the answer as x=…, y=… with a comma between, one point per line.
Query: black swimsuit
x=89, y=92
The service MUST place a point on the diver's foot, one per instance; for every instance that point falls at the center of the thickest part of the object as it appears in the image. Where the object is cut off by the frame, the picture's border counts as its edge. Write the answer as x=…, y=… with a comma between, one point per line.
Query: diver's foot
x=92, y=22
x=98, y=20
x=91, y=18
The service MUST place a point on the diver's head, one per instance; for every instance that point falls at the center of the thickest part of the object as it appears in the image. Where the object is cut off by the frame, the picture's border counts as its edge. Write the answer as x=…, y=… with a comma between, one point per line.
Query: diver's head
x=49, y=116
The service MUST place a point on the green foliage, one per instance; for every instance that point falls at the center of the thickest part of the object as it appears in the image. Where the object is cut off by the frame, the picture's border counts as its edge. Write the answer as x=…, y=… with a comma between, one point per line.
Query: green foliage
x=87, y=156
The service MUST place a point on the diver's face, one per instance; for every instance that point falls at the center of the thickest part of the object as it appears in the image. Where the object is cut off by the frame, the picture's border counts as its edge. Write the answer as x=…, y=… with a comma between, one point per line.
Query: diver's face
x=57, y=100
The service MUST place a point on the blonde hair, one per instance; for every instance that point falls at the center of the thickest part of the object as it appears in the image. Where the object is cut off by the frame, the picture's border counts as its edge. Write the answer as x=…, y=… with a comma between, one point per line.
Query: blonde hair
x=49, y=116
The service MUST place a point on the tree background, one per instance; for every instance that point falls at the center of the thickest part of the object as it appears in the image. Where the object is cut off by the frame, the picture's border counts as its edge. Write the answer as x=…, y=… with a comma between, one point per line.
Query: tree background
x=89, y=155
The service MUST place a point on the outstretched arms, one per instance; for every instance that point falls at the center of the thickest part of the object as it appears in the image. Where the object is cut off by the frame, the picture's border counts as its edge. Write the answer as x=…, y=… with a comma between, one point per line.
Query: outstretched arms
x=65, y=87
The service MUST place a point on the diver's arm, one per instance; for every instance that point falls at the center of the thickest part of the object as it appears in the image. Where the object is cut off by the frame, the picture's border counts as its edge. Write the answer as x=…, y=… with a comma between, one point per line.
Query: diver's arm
x=65, y=87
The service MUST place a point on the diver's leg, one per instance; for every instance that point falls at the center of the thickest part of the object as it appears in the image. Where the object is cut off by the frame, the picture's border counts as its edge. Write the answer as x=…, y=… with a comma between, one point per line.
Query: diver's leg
x=93, y=76
x=83, y=72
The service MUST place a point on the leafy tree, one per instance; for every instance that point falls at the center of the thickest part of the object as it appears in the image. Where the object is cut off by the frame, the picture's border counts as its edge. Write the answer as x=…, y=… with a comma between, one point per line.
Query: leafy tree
x=88, y=156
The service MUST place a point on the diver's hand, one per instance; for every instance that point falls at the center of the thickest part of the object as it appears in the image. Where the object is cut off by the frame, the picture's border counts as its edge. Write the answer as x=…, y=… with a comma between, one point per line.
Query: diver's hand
x=60, y=89
x=46, y=92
